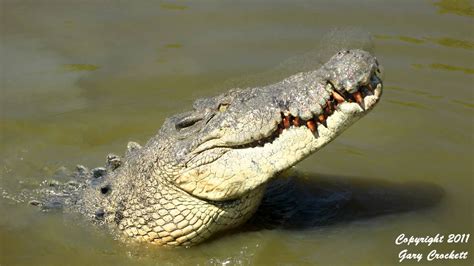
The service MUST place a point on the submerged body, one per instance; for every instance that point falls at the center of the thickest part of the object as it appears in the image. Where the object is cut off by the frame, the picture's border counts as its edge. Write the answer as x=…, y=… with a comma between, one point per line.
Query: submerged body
x=206, y=170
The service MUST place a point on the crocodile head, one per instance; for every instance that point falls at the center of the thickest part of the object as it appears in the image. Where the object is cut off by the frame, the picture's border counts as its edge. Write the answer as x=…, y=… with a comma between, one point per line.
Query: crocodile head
x=233, y=143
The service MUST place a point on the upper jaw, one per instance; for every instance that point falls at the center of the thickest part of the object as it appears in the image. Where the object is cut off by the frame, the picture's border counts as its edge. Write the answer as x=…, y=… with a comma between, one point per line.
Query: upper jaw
x=362, y=100
x=365, y=95
x=352, y=92
x=359, y=102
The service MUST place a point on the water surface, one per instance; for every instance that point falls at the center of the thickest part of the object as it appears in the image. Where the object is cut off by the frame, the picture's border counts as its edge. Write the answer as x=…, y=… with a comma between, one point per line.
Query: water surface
x=79, y=79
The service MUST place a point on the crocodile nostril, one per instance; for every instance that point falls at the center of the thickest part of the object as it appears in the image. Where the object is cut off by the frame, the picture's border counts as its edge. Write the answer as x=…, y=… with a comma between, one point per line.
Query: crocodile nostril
x=105, y=189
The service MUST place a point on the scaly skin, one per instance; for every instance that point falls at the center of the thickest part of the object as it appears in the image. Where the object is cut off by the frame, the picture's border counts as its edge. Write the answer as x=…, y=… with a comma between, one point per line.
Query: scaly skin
x=206, y=170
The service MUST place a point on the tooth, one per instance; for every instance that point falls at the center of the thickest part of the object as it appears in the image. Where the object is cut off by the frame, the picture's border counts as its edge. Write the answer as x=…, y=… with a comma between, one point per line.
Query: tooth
x=296, y=121
x=329, y=108
x=322, y=120
x=311, y=125
x=338, y=97
x=286, y=122
x=370, y=86
x=359, y=99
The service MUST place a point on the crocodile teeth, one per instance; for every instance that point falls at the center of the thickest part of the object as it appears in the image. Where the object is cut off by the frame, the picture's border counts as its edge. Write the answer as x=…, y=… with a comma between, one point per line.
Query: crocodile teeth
x=370, y=87
x=286, y=122
x=321, y=118
x=359, y=98
x=329, y=107
x=296, y=121
x=338, y=97
x=311, y=125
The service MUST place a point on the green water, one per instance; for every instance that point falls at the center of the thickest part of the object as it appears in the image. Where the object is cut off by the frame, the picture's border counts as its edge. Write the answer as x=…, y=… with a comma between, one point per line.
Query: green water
x=79, y=79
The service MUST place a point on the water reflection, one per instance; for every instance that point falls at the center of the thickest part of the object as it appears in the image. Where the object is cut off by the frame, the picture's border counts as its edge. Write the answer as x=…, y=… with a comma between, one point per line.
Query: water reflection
x=418, y=92
x=80, y=67
x=454, y=43
x=300, y=201
x=407, y=104
x=171, y=6
x=452, y=68
x=458, y=7
x=444, y=41
x=439, y=66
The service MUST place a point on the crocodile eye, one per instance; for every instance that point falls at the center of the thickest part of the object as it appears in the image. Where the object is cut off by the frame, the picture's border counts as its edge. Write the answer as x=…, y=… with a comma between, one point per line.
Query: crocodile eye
x=223, y=107
x=187, y=122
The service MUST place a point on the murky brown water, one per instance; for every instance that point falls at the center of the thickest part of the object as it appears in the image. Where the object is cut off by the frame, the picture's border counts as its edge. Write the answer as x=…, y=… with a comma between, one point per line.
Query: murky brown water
x=81, y=78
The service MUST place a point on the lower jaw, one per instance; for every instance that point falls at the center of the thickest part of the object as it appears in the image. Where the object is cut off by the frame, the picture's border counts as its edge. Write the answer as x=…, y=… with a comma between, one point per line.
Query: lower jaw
x=342, y=117
x=336, y=123
x=296, y=143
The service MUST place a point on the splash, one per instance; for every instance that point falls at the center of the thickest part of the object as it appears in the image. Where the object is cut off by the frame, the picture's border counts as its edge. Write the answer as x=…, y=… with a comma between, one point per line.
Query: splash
x=330, y=43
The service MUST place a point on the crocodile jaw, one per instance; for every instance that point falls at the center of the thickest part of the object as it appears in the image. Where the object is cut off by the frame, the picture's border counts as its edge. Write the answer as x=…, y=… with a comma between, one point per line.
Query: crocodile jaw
x=299, y=142
x=256, y=165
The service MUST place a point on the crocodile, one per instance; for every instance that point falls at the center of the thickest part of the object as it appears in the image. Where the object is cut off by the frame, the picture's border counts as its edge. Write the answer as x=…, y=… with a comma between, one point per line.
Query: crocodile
x=207, y=170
